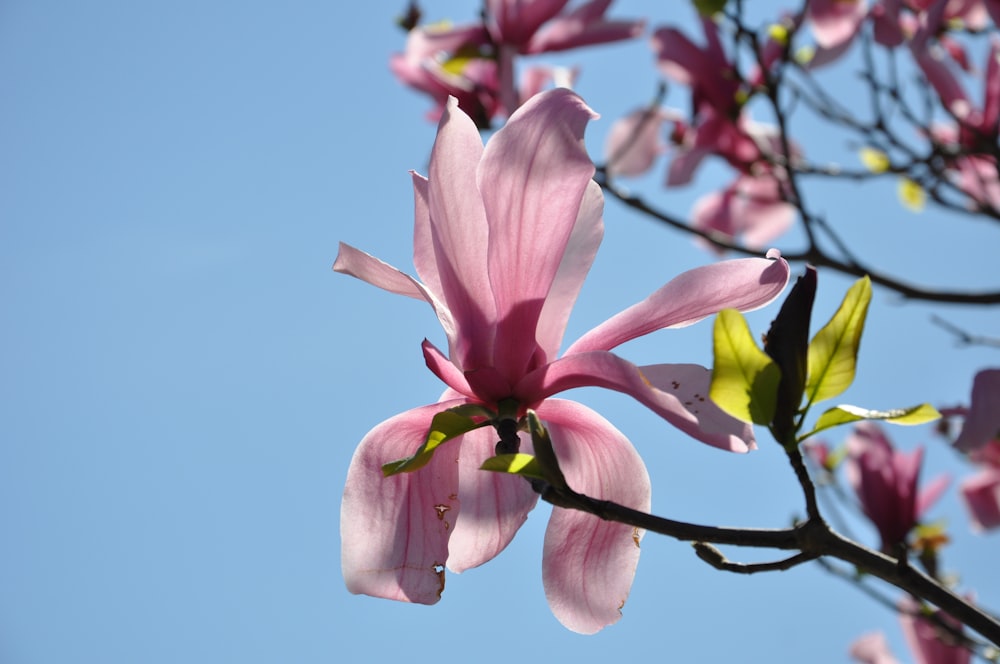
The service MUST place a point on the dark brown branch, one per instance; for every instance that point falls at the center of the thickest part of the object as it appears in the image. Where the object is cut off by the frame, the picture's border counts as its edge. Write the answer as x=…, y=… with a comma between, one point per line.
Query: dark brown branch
x=811, y=538
x=714, y=557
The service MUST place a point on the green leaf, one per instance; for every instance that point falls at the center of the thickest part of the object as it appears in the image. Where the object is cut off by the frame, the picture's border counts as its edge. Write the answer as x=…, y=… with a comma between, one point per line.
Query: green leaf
x=446, y=425
x=521, y=464
x=845, y=414
x=744, y=379
x=833, y=352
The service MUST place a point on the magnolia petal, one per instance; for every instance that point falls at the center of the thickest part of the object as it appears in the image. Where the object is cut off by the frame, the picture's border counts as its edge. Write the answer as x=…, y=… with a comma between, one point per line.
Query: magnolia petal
x=982, y=424
x=515, y=22
x=744, y=284
x=588, y=564
x=981, y=494
x=459, y=236
x=494, y=505
x=677, y=393
x=930, y=493
x=394, y=530
x=584, y=26
x=367, y=268
x=532, y=177
x=364, y=266
x=634, y=142
x=872, y=648
x=835, y=22
x=577, y=259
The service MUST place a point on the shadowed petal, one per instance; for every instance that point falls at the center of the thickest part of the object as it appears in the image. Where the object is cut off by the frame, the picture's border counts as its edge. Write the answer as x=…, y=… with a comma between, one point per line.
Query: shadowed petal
x=458, y=235
x=394, y=530
x=494, y=505
x=744, y=284
x=584, y=26
x=576, y=262
x=532, y=178
x=588, y=564
x=677, y=393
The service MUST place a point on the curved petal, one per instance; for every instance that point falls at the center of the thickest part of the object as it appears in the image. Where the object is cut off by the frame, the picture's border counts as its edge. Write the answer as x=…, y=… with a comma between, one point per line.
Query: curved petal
x=494, y=505
x=576, y=261
x=584, y=26
x=394, y=530
x=367, y=268
x=675, y=393
x=532, y=178
x=451, y=238
x=484, y=384
x=588, y=564
x=744, y=284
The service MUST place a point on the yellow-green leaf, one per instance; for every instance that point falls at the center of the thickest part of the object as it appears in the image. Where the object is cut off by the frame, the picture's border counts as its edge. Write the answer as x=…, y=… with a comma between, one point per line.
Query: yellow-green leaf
x=845, y=414
x=445, y=425
x=744, y=379
x=521, y=464
x=833, y=352
x=912, y=195
x=874, y=160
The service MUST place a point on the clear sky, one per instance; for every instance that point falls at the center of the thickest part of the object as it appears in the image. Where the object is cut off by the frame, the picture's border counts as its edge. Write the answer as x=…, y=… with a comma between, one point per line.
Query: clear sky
x=183, y=380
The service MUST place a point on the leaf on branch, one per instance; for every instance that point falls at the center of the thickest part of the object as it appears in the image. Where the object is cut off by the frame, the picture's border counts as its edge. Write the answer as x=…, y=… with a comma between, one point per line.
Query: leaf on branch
x=912, y=195
x=874, y=160
x=744, y=379
x=446, y=425
x=846, y=414
x=833, y=352
x=520, y=463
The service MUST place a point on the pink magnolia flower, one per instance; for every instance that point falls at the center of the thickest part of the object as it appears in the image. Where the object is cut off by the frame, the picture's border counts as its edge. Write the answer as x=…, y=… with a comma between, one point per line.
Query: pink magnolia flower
x=928, y=643
x=541, y=26
x=886, y=482
x=872, y=649
x=503, y=239
x=980, y=439
x=431, y=63
x=531, y=27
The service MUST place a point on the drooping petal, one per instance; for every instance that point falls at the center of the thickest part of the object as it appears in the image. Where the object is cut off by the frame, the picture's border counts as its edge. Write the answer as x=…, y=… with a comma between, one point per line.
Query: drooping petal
x=532, y=177
x=456, y=224
x=677, y=393
x=982, y=424
x=394, y=530
x=744, y=284
x=485, y=384
x=494, y=505
x=576, y=261
x=588, y=564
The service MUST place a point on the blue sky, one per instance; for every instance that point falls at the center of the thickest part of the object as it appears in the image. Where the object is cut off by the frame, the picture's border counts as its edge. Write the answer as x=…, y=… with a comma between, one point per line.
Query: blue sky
x=184, y=380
